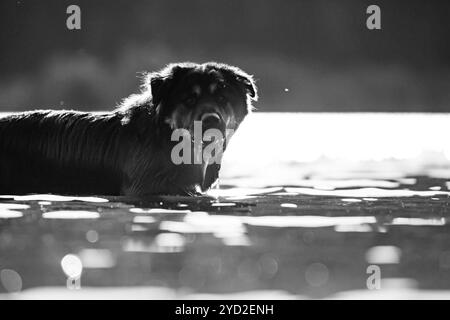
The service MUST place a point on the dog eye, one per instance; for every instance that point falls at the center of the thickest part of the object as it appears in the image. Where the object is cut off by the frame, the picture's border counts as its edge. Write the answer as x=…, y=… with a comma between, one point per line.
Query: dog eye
x=190, y=100
x=221, y=85
x=221, y=98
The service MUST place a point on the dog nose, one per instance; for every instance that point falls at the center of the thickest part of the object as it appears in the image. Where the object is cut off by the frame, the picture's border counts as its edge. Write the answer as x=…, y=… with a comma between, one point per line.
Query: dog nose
x=211, y=120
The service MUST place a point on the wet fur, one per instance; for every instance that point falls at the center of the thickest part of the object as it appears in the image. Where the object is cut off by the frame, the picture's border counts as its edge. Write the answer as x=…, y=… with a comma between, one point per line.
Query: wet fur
x=122, y=152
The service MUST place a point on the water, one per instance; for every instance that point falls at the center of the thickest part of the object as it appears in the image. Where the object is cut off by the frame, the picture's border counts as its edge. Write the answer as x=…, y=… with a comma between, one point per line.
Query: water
x=309, y=205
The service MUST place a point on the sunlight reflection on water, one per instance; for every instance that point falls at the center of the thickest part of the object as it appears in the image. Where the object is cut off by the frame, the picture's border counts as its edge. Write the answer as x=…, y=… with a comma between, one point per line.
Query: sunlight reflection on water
x=52, y=197
x=10, y=214
x=301, y=212
x=306, y=137
x=70, y=214
x=72, y=265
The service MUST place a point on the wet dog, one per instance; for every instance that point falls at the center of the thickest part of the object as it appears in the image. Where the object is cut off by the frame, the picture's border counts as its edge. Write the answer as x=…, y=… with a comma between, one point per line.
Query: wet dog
x=128, y=151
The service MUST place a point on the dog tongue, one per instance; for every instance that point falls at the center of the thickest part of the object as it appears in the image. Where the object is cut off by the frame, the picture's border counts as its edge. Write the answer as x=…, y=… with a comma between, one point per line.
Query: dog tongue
x=209, y=159
x=204, y=169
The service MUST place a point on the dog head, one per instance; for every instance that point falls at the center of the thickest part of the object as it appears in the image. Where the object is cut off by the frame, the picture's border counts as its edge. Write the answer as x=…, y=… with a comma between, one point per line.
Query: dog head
x=217, y=95
x=183, y=96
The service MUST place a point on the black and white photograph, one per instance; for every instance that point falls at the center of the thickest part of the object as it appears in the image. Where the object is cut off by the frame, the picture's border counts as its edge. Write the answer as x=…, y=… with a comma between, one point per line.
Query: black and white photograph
x=222, y=155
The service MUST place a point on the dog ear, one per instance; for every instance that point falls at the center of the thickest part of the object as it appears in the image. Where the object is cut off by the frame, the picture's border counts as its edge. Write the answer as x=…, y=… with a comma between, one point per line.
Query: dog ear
x=249, y=84
x=242, y=79
x=160, y=82
x=156, y=85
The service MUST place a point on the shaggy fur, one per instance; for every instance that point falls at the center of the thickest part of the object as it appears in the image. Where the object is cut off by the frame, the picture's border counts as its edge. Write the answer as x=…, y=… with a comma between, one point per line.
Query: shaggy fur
x=125, y=151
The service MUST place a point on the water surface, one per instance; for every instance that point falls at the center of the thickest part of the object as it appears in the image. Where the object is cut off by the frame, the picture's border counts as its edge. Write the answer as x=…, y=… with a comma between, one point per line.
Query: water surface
x=307, y=204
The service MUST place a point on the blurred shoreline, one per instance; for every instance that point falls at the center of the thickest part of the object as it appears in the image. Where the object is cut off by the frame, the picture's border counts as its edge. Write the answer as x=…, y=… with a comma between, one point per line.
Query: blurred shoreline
x=305, y=55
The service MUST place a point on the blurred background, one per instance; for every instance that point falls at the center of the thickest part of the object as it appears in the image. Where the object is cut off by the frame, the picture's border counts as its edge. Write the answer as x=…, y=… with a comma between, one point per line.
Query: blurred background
x=306, y=55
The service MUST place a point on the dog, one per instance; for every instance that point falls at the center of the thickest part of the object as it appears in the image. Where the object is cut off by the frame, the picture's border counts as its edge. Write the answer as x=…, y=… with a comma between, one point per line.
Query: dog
x=127, y=151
